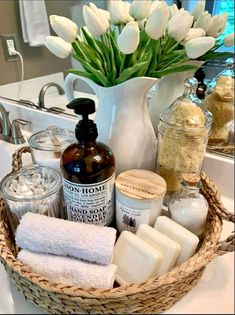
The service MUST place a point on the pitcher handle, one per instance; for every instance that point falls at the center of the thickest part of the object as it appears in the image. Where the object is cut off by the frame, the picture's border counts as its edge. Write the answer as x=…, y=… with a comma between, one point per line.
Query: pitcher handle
x=69, y=85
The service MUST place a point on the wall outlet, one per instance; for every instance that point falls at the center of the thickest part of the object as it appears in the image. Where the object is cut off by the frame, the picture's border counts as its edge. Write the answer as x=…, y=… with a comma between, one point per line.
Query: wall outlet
x=8, y=43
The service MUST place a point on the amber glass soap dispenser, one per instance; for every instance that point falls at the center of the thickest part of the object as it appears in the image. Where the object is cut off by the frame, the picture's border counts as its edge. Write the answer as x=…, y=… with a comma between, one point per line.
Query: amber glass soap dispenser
x=88, y=171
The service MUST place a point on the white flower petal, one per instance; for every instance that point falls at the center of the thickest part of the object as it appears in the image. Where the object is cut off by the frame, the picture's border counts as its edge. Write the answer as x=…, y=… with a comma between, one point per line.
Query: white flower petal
x=197, y=47
x=58, y=46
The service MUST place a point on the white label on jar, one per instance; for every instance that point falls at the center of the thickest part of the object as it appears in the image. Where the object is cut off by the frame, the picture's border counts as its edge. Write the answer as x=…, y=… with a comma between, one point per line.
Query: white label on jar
x=129, y=219
x=90, y=203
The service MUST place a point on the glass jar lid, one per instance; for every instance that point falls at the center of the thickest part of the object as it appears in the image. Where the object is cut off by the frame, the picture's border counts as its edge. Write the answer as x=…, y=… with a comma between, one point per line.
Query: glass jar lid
x=53, y=138
x=31, y=182
x=223, y=83
x=187, y=111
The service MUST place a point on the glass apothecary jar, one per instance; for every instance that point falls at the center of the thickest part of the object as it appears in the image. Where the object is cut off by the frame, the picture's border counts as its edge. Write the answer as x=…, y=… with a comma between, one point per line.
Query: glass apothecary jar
x=33, y=189
x=47, y=146
x=219, y=101
x=183, y=133
x=189, y=207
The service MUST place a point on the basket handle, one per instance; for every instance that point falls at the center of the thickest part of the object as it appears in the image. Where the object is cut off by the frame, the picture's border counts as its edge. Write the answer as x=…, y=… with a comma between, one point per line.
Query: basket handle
x=226, y=246
x=212, y=193
x=213, y=198
x=17, y=157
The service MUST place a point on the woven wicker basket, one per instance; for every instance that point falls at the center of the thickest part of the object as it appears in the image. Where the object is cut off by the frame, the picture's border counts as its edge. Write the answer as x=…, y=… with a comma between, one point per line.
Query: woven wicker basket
x=153, y=296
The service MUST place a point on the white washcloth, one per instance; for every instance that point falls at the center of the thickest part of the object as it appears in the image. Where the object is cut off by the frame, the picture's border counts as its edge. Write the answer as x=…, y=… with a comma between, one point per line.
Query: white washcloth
x=69, y=271
x=34, y=22
x=49, y=235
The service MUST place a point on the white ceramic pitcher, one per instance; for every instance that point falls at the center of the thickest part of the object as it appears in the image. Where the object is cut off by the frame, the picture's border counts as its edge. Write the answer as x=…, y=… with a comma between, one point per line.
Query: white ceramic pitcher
x=123, y=121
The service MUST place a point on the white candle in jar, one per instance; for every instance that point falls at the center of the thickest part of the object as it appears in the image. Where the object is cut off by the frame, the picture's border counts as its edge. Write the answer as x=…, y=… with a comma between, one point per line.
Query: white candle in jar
x=139, y=198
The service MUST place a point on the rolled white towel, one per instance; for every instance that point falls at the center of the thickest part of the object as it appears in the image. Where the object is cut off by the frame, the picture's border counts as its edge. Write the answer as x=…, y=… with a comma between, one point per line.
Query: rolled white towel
x=42, y=234
x=69, y=271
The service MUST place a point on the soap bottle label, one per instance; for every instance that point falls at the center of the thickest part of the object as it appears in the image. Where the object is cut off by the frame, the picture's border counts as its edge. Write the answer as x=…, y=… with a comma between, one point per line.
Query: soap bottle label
x=129, y=219
x=90, y=203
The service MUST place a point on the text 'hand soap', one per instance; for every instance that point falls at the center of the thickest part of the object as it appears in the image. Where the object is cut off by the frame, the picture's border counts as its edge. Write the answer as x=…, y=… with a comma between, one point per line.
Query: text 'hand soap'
x=88, y=170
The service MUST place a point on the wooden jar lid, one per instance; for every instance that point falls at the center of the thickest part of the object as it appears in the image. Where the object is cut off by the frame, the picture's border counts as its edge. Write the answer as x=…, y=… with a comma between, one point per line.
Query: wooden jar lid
x=141, y=184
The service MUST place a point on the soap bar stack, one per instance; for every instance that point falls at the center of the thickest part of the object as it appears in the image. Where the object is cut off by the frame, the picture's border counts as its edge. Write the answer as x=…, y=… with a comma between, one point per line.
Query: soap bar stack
x=152, y=251
x=67, y=252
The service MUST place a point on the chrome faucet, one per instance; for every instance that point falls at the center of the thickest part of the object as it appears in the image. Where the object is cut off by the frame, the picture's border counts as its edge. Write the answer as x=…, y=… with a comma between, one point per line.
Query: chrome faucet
x=5, y=122
x=41, y=101
x=11, y=132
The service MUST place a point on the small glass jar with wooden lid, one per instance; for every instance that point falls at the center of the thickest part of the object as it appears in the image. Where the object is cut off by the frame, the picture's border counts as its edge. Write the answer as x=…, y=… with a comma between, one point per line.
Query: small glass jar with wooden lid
x=139, y=198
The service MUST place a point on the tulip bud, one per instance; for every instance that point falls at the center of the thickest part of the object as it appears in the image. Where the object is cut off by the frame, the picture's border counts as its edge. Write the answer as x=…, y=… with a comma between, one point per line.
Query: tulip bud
x=197, y=47
x=194, y=33
x=156, y=23
x=96, y=22
x=64, y=27
x=129, y=38
x=203, y=21
x=173, y=9
x=140, y=9
x=58, y=46
x=160, y=5
x=229, y=40
x=179, y=25
x=119, y=12
x=217, y=25
x=199, y=9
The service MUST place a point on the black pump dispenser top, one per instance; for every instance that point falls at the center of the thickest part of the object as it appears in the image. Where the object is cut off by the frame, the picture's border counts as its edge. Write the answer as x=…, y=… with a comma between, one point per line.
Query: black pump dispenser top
x=86, y=129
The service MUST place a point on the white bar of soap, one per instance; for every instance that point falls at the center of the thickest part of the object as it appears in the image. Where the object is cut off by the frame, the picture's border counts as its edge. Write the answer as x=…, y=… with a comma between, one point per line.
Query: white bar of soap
x=187, y=240
x=168, y=247
x=136, y=260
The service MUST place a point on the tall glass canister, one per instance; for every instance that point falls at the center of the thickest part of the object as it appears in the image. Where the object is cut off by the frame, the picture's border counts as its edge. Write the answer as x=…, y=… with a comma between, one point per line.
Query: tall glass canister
x=183, y=133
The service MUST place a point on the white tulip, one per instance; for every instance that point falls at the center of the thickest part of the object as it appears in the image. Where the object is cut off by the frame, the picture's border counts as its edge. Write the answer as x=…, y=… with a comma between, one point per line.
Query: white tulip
x=64, y=27
x=58, y=46
x=179, y=25
x=96, y=22
x=159, y=5
x=119, y=12
x=140, y=9
x=203, y=21
x=173, y=9
x=197, y=47
x=194, y=33
x=129, y=38
x=156, y=23
x=217, y=25
x=229, y=40
x=199, y=9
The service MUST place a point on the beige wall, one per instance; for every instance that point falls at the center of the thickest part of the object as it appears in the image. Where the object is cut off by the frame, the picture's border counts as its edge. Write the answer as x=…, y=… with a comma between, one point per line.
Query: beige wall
x=38, y=61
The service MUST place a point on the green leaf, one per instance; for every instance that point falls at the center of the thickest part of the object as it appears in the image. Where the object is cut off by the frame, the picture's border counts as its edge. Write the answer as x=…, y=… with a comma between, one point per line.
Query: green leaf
x=97, y=73
x=116, y=51
x=92, y=56
x=161, y=73
x=83, y=74
x=127, y=73
x=153, y=61
x=216, y=55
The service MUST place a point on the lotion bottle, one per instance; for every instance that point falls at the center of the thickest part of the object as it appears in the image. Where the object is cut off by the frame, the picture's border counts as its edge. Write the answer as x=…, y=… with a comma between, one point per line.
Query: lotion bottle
x=88, y=171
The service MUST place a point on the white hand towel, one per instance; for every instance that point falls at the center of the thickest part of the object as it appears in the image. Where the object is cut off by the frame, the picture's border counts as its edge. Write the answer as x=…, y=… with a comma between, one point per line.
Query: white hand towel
x=43, y=234
x=69, y=271
x=34, y=22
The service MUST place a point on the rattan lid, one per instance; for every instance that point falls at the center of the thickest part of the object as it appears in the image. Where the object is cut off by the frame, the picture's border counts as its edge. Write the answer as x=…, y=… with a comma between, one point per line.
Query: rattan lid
x=141, y=184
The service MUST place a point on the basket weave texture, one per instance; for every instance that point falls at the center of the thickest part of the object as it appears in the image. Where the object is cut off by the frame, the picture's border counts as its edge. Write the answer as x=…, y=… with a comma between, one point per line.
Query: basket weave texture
x=152, y=297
